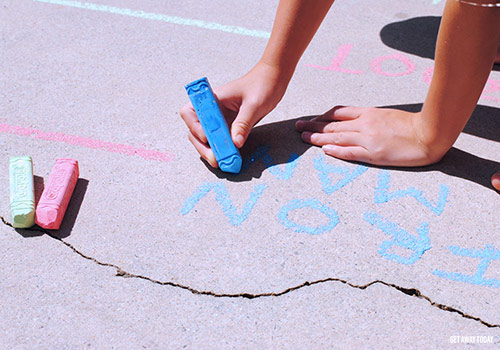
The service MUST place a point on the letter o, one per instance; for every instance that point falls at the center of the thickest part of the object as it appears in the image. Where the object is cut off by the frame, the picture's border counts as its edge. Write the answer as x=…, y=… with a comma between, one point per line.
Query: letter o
x=311, y=203
x=375, y=65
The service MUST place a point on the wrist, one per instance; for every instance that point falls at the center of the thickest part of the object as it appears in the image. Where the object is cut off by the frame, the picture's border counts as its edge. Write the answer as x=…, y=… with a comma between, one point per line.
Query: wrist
x=434, y=142
x=280, y=74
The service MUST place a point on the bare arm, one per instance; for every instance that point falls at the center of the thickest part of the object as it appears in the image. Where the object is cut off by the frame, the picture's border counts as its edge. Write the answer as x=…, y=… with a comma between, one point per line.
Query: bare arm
x=248, y=99
x=295, y=24
x=466, y=48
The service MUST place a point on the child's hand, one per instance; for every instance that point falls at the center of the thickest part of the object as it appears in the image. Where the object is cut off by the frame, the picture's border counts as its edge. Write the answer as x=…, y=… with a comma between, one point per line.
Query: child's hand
x=371, y=135
x=244, y=102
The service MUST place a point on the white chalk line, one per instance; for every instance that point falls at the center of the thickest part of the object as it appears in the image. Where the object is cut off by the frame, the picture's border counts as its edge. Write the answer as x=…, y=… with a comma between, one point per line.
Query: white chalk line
x=161, y=17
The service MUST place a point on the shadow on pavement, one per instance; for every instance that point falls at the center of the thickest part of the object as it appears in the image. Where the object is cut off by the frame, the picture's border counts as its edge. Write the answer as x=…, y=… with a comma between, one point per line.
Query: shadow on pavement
x=277, y=143
x=484, y=121
x=282, y=140
x=416, y=36
x=70, y=216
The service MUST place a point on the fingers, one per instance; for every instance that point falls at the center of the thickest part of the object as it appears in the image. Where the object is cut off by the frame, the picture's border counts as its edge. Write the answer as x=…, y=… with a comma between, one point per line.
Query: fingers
x=204, y=150
x=242, y=125
x=340, y=138
x=325, y=123
x=240, y=114
x=191, y=119
x=325, y=127
x=343, y=145
x=340, y=113
x=495, y=181
x=351, y=153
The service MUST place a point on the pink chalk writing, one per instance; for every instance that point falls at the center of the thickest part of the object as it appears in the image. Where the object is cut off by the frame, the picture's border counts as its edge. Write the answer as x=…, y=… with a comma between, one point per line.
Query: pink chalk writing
x=376, y=65
x=337, y=62
x=427, y=75
x=88, y=143
x=491, y=87
x=491, y=90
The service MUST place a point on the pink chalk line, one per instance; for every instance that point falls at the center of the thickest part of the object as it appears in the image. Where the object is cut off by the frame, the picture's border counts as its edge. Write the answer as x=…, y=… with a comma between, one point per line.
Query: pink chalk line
x=87, y=142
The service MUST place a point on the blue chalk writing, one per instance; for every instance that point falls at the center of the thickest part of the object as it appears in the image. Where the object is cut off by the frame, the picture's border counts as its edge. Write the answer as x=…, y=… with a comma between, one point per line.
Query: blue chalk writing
x=222, y=197
x=262, y=153
x=435, y=2
x=401, y=238
x=486, y=256
x=311, y=203
x=382, y=194
x=348, y=175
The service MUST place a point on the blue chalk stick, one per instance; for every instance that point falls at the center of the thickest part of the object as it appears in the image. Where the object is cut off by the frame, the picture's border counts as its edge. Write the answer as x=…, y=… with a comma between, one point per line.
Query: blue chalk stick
x=213, y=123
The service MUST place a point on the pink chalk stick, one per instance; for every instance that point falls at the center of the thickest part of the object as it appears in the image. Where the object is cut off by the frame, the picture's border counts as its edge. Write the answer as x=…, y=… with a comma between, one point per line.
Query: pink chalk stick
x=56, y=195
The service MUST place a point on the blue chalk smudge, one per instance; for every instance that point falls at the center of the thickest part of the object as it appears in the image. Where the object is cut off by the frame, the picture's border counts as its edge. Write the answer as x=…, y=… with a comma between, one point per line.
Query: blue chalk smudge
x=222, y=197
x=382, y=194
x=262, y=153
x=311, y=203
x=401, y=238
x=159, y=17
x=348, y=175
x=486, y=256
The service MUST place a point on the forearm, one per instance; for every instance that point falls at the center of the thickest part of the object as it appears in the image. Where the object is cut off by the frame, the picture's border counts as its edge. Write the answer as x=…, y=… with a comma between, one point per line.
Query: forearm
x=295, y=24
x=466, y=48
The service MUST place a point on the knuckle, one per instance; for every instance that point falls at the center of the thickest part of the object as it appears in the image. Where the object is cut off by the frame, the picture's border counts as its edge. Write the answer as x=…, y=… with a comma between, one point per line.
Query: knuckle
x=194, y=129
x=338, y=138
x=331, y=127
x=253, y=102
x=377, y=153
x=369, y=125
x=348, y=154
x=243, y=125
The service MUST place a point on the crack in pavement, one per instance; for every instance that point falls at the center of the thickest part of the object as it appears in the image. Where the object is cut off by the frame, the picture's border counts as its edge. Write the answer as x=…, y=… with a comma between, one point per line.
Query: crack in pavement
x=122, y=273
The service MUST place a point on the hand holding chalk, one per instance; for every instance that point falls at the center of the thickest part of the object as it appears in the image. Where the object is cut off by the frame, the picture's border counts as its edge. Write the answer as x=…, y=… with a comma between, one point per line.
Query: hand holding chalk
x=243, y=103
x=214, y=125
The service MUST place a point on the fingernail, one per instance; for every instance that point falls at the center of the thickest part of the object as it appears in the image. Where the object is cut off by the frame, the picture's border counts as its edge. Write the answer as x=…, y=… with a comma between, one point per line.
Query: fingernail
x=306, y=135
x=299, y=124
x=327, y=148
x=239, y=140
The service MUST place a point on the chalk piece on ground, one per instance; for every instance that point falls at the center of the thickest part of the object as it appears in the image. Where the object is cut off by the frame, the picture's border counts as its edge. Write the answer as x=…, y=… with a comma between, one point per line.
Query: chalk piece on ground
x=56, y=195
x=22, y=192
x=213, y=123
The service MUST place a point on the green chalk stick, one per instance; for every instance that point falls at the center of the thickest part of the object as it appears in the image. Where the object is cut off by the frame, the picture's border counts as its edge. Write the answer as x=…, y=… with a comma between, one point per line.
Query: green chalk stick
x=22, y=192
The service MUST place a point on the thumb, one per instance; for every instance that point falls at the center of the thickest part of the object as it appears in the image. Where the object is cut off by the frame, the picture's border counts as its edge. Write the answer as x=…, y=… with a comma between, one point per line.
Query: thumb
x=242, y=125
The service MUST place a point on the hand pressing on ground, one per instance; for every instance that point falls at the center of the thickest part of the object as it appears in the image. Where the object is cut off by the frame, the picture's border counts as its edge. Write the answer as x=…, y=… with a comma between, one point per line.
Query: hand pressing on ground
x=377, y=136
